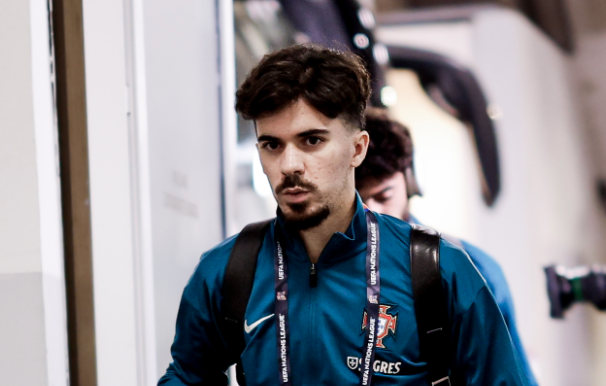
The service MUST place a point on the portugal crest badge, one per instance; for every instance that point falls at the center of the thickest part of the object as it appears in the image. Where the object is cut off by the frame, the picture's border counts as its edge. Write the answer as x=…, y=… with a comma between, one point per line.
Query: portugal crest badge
x=386, y=326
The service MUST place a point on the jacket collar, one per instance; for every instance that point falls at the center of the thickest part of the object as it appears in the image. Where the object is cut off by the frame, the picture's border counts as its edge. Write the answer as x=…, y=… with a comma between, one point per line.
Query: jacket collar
x=341, y=246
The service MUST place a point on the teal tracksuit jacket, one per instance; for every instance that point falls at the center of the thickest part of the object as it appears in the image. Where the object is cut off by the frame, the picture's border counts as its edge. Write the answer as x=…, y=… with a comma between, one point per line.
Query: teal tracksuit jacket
x=327, y=320
x=495, y=278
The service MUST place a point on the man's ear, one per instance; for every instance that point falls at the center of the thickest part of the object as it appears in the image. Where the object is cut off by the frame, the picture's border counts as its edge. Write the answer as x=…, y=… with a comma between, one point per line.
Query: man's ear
x=361, y=141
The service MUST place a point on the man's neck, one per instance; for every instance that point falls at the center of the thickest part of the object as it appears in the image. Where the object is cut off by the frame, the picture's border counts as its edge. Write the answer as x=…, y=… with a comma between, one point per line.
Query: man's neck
x=315, y=239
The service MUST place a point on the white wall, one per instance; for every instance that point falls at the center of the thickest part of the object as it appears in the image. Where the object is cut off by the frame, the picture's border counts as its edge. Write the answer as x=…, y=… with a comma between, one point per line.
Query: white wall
x=550, y=189
x=588, y=63
x=183, y=94
x=547, y=212
x=33, y=332
x=155, y=114
x=110, y=191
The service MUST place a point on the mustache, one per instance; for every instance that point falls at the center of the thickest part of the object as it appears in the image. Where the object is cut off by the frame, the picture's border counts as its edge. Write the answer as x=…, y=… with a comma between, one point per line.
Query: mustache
x=294, y=181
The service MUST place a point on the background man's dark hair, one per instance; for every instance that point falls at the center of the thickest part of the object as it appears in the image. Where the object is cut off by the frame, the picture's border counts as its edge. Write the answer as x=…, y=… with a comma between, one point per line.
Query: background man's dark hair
x=335, y=83
x=389, y=150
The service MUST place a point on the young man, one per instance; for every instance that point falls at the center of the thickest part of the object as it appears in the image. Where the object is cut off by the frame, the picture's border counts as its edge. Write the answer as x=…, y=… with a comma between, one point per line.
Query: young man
x=331, y=302
x=382, y=180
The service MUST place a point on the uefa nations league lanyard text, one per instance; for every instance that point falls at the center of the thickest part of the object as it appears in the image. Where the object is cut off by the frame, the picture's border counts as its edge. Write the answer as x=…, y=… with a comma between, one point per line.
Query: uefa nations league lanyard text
x=373, y=290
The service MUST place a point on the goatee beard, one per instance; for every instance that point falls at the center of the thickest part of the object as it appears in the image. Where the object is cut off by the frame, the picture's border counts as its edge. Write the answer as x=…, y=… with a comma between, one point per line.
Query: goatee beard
x=300, y=222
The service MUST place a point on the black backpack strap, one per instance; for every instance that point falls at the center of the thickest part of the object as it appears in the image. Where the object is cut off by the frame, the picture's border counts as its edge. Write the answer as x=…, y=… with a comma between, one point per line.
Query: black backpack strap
x=430, y=305
x=237, y=286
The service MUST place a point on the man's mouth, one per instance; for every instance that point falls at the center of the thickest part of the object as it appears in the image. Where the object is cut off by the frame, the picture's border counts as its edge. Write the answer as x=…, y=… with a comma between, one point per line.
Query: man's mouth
x=294, y=189
x=295, y=195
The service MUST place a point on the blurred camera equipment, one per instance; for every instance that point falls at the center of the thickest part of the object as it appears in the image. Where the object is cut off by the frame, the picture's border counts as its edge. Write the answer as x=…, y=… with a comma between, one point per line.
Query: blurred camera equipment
x=566, y=286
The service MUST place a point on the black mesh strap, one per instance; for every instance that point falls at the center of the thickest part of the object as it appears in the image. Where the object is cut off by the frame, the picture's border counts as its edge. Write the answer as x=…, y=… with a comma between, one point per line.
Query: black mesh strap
x=430, y=306
x=237, y=286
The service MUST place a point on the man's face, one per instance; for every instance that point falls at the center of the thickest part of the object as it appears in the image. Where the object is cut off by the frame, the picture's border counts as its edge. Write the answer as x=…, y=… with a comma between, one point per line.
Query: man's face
x=309, y=160
x=387, y=196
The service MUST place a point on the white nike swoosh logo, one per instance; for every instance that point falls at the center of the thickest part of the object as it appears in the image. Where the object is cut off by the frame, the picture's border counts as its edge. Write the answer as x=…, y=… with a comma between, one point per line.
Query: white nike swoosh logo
x=249, y=328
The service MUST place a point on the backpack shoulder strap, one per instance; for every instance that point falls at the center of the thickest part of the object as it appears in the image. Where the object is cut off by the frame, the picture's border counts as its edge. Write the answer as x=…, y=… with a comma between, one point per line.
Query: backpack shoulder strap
x=430, y=305
x=237, y=286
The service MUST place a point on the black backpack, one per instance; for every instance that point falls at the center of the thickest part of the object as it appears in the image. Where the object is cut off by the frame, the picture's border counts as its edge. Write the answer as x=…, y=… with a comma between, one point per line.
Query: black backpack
x=430, y=305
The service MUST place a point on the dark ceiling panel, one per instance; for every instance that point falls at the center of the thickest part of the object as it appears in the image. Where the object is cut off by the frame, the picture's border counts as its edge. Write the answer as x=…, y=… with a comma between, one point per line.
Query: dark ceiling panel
x=552, y=16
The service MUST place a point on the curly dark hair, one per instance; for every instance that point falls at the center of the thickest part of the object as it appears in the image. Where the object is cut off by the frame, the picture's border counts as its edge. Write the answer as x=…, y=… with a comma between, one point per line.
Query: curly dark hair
x=335, y=83
x=389, y=150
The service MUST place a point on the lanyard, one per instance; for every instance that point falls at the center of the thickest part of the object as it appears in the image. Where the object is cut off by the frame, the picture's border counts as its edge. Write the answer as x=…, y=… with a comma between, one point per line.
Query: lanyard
x=373, y=290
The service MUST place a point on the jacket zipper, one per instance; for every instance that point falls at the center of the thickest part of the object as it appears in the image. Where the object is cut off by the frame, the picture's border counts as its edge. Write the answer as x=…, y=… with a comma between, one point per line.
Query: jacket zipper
x=313, y=276
x=313, y=282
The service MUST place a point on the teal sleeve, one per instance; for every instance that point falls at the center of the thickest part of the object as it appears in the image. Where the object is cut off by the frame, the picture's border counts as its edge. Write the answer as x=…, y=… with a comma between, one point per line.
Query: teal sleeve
x=484, y=353
x=495, y=278
x=199, y=351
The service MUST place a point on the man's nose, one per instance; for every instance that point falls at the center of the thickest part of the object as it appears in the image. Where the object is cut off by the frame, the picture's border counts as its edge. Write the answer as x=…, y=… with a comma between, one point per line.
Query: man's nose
x=292, y=161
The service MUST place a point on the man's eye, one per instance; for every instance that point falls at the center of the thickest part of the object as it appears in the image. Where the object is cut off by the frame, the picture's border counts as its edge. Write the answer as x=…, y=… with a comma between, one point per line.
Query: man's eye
x=313, y=141
x=270, y=145
x=381, y=199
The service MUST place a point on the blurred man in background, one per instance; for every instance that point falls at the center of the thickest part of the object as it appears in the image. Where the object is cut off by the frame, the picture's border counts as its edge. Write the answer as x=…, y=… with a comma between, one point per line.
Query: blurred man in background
x=386, y=181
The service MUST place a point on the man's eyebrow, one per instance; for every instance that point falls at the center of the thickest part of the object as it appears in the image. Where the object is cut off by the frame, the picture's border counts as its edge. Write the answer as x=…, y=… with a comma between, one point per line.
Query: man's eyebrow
x=303, y=134
x=266, y=138
x=311, y=132
x=383, y=191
